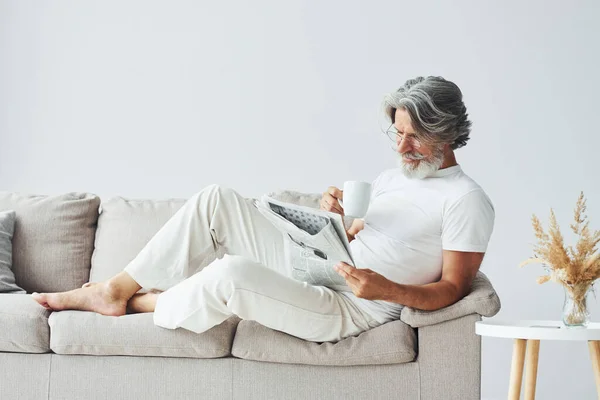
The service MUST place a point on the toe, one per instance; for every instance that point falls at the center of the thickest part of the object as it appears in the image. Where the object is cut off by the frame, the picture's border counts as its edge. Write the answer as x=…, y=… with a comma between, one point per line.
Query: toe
x=40, y=299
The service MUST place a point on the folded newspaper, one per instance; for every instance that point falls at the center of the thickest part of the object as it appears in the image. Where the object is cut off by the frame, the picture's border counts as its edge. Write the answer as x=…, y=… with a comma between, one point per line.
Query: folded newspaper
x=317, y=241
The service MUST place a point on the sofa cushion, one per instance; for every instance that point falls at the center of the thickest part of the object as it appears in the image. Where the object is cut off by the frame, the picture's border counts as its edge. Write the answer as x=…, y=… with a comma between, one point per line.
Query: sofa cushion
x=23, y=324
x=53, y=239
x=482, y=300
x=7, y=277
x=84, y=332
x=124, y=228
x=391, y=343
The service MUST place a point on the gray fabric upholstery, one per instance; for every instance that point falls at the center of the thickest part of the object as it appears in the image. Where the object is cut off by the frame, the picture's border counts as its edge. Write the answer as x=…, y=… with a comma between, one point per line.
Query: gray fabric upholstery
x=124, y=228
x=66, y=377
x=83, y=332
x=24, y=376
x=300, y=198
x=253, y=380
x=450, y=370
x=23, y=324
x=482, y=300
x=53, y=239
x=7, y=278
x=147, y=378
x=391, y=343
x=450, y=360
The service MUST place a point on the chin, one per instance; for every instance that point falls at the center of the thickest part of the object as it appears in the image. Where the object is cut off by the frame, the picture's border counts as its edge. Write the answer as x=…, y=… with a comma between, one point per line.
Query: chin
x=418, y=170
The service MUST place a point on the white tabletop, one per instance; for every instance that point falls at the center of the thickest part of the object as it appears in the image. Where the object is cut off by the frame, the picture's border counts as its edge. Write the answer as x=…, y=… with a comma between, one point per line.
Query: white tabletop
x=535, y=329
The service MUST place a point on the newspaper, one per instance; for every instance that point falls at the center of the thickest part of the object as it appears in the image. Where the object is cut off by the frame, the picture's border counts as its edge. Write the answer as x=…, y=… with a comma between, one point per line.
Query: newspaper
x=317, y=240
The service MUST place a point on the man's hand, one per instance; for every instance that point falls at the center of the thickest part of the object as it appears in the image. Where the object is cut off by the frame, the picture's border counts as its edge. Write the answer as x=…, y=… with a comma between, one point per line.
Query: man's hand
x=365, y=283
x=329, y=201
x=458, y=271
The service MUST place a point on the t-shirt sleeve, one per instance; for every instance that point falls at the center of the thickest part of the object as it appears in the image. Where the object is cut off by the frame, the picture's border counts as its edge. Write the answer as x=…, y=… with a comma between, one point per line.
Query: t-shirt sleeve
x=468, y=223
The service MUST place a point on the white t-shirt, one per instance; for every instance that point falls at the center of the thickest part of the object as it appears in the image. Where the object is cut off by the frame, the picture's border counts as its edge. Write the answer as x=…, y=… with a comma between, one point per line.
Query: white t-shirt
x=410, y=222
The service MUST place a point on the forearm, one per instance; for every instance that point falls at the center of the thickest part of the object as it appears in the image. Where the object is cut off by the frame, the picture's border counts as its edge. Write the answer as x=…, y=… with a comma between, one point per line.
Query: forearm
x=350, y=237
x=357, y=226
x=429, y=297
x=351, y=233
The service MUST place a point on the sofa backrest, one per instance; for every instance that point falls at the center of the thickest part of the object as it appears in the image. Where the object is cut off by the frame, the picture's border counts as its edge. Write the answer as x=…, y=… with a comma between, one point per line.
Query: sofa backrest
x=124, y=228
x=53, y=239
x=126, y=225
x=64, y=241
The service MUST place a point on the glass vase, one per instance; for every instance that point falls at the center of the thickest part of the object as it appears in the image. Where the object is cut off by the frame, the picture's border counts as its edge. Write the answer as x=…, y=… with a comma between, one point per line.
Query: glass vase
x=575, y=308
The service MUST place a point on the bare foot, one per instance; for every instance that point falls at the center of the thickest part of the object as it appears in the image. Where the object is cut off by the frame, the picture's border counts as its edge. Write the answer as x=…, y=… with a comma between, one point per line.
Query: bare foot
x=142, y=303
x=102, y=297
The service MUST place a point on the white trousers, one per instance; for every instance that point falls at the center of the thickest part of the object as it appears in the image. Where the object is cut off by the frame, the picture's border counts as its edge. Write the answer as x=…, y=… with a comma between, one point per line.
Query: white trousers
x=252, y=280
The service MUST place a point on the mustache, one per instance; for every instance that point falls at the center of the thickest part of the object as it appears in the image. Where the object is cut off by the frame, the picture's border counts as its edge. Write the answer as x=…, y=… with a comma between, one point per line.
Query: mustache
x=413, y=156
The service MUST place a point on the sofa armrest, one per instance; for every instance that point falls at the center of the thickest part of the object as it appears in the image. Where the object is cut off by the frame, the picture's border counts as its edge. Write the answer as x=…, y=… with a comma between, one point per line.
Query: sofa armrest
x=482, y=300
x=449, y=358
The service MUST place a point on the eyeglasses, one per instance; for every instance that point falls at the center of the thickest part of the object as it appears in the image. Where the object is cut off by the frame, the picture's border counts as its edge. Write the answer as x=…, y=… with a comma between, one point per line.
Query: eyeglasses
x=393, y=135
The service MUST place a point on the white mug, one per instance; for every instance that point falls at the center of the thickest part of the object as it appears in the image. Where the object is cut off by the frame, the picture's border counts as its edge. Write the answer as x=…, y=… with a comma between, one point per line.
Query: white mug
x=357, y=196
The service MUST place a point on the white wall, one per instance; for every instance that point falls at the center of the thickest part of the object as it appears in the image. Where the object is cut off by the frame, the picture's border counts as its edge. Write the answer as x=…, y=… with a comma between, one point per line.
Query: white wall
x=158, y=99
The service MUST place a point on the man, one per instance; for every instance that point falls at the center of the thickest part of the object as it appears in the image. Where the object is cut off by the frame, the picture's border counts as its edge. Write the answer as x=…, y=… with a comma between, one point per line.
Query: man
x=420, y=244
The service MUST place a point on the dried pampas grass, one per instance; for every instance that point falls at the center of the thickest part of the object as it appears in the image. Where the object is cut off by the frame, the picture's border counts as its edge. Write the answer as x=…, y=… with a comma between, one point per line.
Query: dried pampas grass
x=576, y=268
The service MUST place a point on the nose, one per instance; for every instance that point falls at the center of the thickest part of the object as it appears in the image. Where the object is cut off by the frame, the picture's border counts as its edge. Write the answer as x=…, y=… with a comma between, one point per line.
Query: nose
x=403, y=146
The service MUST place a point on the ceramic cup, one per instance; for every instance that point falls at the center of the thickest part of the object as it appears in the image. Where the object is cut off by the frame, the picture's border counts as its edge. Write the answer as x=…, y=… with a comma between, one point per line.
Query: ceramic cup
x=357, y=196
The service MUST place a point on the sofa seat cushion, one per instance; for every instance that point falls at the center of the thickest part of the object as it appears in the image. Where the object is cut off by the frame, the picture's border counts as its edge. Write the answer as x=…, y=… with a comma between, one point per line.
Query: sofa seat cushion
x=391, y=343
x=83, y=332
x=23, y=324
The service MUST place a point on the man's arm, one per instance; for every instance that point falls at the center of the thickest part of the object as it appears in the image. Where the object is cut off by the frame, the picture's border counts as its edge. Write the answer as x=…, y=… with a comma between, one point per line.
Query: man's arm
x=458, y=271
x=357, y=225
x=329, y=202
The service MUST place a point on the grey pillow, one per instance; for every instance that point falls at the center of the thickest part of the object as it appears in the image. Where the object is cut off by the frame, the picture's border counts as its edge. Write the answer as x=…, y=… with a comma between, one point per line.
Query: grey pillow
x=7, y=228
x=53, y=240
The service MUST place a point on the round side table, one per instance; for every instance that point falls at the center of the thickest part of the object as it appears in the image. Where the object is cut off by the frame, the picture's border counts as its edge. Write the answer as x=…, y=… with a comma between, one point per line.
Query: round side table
x=527, y=335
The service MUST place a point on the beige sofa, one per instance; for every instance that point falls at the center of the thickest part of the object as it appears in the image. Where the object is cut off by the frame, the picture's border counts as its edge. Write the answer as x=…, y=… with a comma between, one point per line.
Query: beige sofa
x=61, y=242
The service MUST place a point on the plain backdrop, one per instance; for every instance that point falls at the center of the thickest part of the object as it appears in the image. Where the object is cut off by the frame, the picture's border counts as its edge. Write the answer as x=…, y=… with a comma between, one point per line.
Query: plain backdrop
x=157, y=99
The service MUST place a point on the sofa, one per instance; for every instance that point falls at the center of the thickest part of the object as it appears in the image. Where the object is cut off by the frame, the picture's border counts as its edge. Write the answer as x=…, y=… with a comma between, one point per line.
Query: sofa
x=62, y=241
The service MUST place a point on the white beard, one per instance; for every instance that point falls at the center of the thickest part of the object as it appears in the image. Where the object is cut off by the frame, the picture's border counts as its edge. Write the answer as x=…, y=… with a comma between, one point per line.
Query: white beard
x=423, y=168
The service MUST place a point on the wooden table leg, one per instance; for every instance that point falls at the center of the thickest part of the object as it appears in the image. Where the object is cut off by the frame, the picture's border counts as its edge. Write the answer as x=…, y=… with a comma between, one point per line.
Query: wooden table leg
x=516, y=369
x=594, y=347
x=531, y=367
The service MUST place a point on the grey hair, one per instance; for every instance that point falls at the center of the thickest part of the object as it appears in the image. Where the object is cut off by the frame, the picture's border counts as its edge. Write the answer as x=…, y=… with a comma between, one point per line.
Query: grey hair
x=436, y=110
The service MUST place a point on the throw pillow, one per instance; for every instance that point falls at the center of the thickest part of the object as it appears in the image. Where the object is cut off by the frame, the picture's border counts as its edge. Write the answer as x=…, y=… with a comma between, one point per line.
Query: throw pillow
x=7, y=278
